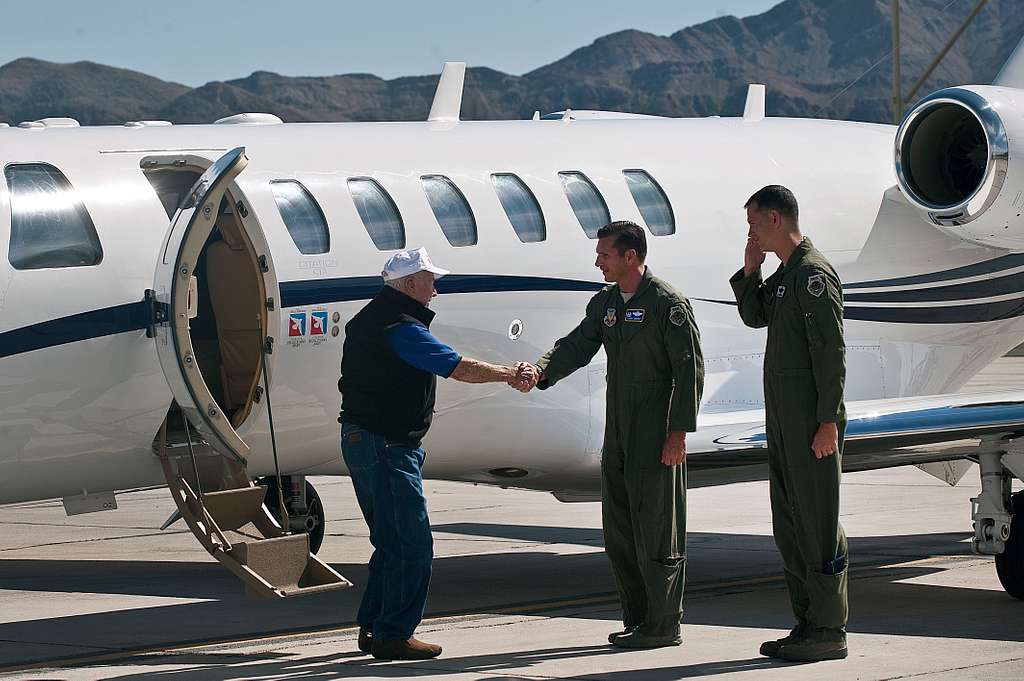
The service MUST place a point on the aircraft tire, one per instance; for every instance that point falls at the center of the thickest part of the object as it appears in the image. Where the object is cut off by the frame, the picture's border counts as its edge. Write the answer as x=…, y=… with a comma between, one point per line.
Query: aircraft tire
x=1010, y=563
x=316, y=518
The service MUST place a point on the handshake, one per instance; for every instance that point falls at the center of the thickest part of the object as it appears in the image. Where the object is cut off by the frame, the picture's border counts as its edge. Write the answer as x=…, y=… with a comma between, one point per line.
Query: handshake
x=526, y=377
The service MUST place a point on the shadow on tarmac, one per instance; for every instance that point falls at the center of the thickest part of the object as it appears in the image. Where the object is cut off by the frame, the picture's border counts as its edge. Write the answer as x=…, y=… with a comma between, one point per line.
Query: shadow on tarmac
x=336, y=666
x=510, y=583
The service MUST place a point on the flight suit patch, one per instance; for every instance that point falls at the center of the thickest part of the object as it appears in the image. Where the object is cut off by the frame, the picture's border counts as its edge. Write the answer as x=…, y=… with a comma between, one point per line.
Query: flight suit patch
x=781, y=291
x=634, y=315
x=816, y=285
x=610, y=317
x=677, y=315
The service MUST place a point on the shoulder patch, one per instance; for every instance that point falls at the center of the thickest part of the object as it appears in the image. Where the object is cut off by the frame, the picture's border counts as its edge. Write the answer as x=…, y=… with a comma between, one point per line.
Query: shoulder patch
x=677, y=315
x=816, y=285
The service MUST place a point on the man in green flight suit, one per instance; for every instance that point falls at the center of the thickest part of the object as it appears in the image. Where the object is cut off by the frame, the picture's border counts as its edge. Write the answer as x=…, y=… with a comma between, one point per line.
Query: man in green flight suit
x=655, y=380
x=804, y=371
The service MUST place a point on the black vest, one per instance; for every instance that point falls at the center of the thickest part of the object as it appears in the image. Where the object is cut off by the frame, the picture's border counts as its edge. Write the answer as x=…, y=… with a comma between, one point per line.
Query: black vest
x=379, y=391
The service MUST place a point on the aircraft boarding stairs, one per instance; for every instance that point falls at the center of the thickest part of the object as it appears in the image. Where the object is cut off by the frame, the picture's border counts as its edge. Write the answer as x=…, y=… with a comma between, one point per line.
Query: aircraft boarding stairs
x=225, y=511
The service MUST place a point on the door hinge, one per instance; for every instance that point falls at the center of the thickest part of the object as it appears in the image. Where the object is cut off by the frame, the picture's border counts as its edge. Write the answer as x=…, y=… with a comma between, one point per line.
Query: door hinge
x=156, y=312
x=241, y=209
x=270, y=304
x=269, y=345
x=264, y=264
x=257, y=394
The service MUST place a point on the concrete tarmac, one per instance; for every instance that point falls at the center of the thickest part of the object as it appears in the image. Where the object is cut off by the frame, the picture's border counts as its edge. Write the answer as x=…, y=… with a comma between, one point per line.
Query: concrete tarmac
x=521, y=589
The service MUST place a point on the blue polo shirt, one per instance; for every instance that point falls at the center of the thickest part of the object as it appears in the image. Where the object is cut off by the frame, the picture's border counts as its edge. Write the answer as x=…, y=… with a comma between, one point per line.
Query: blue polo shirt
x=417, y=347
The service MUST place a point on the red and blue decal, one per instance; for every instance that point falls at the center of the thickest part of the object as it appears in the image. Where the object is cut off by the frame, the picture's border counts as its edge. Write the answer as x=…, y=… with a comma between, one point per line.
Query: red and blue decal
x=318, y=323
x=297, y=324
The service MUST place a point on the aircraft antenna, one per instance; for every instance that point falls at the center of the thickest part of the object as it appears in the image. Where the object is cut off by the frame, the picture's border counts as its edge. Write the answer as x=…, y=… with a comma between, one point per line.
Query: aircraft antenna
x=448, y=98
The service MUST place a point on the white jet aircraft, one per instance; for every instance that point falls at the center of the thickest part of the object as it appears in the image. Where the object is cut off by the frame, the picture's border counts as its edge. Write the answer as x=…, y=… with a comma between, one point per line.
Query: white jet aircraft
x=134, y=354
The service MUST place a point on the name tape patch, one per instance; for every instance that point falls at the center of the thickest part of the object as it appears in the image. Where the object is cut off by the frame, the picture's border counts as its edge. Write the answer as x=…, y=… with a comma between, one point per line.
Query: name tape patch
x=634, y=315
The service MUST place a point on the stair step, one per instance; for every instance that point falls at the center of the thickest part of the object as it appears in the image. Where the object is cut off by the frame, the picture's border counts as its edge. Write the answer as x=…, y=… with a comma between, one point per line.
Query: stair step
x=234, y=508
x=225, y=512
x=285, y=562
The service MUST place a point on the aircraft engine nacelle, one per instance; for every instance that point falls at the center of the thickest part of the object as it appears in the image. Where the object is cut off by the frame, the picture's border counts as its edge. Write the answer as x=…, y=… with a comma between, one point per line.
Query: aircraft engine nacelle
x=960, y=161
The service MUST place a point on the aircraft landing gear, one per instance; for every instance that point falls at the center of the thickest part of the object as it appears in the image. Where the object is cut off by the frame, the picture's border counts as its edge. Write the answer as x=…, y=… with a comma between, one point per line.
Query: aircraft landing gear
x=999, y=517
x=1010, y=563
x=305, y=511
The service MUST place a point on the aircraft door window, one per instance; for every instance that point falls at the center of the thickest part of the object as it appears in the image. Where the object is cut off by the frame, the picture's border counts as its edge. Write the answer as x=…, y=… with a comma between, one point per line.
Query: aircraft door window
x=451, y=209
x=521, y=207
x=302, y=216
x=171, y=186
x=652, y=202
x=50, y=226
x=586, y=202
x=379, y=213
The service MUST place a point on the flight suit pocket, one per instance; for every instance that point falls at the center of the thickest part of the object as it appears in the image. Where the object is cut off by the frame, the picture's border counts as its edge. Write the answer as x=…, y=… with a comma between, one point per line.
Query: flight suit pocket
x=813, y=334
x=828, y=600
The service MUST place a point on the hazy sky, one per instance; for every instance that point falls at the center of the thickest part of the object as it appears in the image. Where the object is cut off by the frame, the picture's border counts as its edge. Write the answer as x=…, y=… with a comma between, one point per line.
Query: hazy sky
x=194, y=42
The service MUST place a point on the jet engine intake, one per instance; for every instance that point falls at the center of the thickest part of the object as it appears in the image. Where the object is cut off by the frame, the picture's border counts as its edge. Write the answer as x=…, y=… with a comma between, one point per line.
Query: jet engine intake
x=960, y=162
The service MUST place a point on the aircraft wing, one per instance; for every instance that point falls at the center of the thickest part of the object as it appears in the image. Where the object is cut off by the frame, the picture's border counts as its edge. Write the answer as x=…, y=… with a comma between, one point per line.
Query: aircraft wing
x=879, y=434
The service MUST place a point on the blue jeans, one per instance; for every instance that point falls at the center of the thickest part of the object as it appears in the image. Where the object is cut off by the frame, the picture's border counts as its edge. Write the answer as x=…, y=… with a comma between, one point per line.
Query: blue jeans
x=388, y=482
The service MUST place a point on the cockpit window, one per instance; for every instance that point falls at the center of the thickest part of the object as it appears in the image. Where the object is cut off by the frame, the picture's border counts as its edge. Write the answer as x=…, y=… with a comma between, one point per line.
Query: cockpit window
x=50, y=226
x=652, y=202
x=302, y=216
x=451, y=210
x=521, y=207
x=586, y=202
x=379, y=213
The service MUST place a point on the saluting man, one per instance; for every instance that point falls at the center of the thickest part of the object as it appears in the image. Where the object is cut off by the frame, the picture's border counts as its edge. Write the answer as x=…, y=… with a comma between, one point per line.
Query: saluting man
x=655, y=380
x=804, y=371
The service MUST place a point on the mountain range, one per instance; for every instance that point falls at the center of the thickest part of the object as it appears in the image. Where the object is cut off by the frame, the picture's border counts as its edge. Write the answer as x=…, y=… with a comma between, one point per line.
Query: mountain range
x=818, y=58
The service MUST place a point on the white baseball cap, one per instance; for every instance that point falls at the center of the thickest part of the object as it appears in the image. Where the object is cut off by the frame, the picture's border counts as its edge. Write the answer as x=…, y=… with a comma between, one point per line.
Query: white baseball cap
x=404, y=263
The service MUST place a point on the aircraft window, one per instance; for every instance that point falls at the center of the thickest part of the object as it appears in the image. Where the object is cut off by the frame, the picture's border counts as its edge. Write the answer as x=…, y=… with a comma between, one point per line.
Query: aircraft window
x=652, y=202
x=451, y=210
x=49, y=225
x=521, y=207
x=302, y=216
x=586, y=202
x=379, y=213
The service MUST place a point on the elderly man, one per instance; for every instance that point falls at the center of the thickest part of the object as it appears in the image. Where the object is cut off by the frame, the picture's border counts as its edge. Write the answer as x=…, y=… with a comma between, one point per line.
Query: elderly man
x=389, y=372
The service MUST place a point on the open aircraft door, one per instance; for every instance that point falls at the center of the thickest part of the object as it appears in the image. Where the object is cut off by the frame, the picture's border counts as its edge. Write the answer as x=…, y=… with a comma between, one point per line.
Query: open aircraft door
x=213, y=291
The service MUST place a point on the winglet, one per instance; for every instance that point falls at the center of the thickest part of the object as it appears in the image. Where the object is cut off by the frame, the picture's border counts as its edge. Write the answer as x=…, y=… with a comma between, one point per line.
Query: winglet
x=1012, y=73
x=753, y=110
x=448, y=97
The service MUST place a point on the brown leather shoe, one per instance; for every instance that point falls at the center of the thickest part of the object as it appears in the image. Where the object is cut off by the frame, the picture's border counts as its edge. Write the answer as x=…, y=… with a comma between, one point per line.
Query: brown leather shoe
x=365, y=640
x=409, y=649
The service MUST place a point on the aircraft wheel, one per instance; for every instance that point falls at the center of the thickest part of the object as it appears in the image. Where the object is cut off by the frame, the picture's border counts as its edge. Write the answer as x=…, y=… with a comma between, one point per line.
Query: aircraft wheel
x=1010, y=563
x=315, y=521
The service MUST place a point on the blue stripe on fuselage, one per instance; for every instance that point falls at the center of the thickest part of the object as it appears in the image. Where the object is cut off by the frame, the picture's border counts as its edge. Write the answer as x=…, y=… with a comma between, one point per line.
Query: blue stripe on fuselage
x=78, y=327
x=136, y=316
x=345, y=289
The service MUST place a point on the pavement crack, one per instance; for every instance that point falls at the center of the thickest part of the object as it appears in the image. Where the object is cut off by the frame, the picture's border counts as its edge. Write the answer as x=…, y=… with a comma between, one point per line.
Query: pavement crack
x=93, y=540
x=932, y=672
